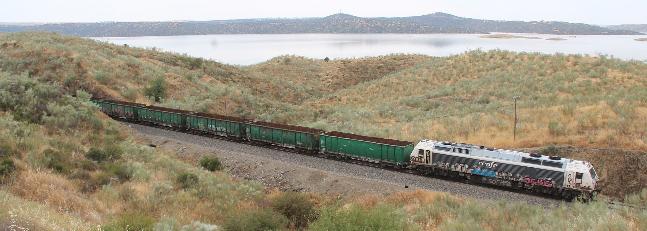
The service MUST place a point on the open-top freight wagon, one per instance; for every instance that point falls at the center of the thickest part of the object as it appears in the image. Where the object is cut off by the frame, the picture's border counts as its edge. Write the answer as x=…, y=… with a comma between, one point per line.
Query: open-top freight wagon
x=372, y=149
x=219, y=125
x=283, y=135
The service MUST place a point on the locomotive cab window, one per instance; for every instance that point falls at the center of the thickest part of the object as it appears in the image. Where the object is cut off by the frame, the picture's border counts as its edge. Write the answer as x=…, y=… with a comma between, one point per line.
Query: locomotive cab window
x=421, y=152
x=592, y=172
x=552, y=164
x=530, y=160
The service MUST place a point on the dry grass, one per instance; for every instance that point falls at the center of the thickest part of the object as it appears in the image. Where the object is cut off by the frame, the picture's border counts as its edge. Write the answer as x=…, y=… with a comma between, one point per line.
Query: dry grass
x=466, y=98
x=20, y=214
x=58, y=193
x=569, y=100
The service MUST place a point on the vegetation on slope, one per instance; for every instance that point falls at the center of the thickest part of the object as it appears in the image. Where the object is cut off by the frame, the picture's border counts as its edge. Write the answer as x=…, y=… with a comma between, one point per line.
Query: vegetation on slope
x=82, y=166
x=65, y=166
x=582, y=101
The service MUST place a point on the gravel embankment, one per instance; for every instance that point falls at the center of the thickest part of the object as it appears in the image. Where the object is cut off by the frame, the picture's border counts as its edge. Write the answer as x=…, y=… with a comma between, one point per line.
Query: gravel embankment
x=366, y=176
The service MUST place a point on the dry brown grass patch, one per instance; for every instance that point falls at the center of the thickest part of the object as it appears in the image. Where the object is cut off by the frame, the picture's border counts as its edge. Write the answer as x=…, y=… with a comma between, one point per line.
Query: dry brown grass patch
x=57, y=192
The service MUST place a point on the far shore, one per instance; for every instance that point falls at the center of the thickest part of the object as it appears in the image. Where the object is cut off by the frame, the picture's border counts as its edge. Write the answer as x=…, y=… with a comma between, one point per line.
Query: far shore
x=507, y=36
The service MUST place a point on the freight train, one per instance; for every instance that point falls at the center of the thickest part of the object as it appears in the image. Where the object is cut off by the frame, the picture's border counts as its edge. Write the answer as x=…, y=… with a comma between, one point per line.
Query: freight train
x=552, y=175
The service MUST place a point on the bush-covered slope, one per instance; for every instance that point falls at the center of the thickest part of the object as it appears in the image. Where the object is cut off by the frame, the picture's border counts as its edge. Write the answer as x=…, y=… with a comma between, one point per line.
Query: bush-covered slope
x=65, y=166
x=588, y=102
x=584, y=101
x=87, y=171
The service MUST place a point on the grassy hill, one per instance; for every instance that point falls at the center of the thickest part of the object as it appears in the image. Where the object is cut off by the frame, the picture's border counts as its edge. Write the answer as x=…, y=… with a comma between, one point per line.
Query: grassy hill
x=582, y=101
x=52, y=180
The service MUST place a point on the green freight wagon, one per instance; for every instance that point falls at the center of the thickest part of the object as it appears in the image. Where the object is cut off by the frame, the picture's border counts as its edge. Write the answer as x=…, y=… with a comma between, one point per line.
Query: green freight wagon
x=216, y=124
x=122, y=110
x=366, y=148
x=284, y=135
x=163, y=116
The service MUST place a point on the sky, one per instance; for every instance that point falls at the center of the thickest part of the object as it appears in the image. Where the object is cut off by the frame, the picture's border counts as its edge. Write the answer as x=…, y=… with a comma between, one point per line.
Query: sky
x=585, y=11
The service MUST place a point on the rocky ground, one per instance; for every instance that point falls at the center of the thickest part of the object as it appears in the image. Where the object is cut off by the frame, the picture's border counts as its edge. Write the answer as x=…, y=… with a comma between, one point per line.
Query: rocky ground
x=296, y=172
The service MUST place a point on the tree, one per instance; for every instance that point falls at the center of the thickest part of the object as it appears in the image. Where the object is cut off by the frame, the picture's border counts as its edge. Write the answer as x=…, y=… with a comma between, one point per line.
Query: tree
x=157, y=89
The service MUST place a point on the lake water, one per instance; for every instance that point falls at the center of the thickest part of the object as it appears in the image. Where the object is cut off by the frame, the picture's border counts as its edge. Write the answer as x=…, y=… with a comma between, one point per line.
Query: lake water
x=254, y=48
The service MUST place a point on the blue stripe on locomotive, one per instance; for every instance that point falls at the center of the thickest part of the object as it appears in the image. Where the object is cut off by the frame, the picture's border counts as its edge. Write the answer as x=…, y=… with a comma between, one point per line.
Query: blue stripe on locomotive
x=495, y=169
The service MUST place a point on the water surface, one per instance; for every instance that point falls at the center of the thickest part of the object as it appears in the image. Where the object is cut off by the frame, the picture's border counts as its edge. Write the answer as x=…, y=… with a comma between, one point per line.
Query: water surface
x=254, y=48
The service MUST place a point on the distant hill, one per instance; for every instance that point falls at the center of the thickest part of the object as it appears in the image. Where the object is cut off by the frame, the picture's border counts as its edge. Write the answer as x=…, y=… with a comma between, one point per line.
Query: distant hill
x=337, y=23
x=634, y=27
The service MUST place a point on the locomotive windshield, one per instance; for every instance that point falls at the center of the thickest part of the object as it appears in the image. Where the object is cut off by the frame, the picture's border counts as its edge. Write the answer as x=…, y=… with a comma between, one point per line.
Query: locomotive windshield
x=592, y=171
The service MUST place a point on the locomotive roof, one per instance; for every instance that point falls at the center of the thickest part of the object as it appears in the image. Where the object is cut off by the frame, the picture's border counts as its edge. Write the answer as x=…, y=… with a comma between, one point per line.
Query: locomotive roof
x=502, y=154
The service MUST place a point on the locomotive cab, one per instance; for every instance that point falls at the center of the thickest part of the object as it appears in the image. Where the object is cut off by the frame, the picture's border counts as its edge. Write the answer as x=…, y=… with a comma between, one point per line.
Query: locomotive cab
x=581, y=175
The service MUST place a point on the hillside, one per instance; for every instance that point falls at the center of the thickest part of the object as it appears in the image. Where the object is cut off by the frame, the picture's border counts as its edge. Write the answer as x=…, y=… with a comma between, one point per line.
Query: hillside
x=561, y=95
x=51, y=180
x=633, y=27
x=338, y=23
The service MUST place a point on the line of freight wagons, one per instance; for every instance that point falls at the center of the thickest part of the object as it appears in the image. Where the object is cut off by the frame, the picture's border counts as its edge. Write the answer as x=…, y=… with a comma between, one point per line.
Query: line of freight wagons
x=373, y=149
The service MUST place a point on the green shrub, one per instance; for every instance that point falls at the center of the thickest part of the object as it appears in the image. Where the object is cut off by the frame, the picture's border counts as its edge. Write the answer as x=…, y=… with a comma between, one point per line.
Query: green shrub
x=7, y=167
x=56, y=161
x=297, y=208
x=96, y=181
x=130, y=94
x=211, y=163
x=156, y=90
x=260, y=220
x=187, y=180
x=6, y=148
x=638, y=198
x=102, y=77
x=381, y=217
x=87, y=165
x=131, y=222
x=110, y=153
x=120, y=170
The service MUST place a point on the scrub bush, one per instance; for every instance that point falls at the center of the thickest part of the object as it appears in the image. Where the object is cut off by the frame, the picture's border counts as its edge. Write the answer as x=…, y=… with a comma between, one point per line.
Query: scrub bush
x=110, y=153
x=56, y=161
x=187, y=180
x=156, y=90
x=264, y=219
x=211, y=163
x=119, y=170
x=381, y=217
x=556, y=128
x=131, y=222
x=296, y=207
x=7, y=167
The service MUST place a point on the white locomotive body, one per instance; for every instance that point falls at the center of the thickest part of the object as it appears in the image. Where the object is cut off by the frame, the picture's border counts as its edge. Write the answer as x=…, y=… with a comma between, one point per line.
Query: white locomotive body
x=553, y=175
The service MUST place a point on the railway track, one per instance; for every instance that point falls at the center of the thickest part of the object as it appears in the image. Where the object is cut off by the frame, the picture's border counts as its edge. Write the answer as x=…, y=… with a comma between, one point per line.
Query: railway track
x=545, y=200
x=406, y=178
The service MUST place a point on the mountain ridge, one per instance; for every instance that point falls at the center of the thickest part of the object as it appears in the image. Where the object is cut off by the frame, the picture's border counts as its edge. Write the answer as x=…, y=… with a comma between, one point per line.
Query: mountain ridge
x=433, y=23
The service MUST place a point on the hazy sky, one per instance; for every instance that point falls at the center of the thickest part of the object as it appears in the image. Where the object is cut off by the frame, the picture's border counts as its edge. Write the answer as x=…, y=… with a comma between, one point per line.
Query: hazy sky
x=586, y=11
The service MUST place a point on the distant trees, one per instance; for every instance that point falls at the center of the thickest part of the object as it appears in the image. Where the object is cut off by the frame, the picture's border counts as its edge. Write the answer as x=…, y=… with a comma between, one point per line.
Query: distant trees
x=156, y=90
